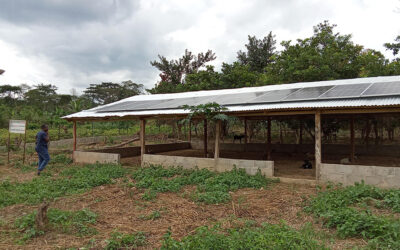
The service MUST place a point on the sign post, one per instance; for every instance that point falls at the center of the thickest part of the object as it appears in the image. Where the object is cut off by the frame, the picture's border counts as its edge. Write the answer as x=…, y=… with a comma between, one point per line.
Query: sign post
x=16, y=127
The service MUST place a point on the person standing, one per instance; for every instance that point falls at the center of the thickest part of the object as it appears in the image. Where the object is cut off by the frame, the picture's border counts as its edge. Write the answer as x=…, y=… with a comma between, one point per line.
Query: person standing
x=42, y=140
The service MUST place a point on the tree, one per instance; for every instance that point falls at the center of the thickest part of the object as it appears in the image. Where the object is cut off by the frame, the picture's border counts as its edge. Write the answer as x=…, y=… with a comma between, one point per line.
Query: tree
x=42, y=96
x=236, y=75
x=259, y=52
x=394, y=47
x=108, y=92
x=324, y=56
x=373, y=63
x=173, y=72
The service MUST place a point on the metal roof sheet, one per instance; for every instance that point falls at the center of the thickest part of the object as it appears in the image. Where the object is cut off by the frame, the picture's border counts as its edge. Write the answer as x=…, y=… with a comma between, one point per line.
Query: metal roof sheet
x=353, y=102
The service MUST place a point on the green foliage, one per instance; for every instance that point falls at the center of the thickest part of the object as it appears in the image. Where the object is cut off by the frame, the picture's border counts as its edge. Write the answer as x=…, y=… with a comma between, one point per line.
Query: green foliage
x=394, y=47
x=152, y=216
x=210, y=111
x=267, y=236
x=61, y=159
x=211, y=187
x=126, y=241
x=75, y=179
x=69, y=222
x=347, y=210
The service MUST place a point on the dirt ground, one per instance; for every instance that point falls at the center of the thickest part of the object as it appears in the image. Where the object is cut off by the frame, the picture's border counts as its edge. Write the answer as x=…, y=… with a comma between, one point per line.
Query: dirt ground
x=120, y=208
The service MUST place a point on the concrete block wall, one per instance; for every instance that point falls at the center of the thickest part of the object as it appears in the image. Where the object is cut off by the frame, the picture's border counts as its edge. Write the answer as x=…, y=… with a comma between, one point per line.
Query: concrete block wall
x=220, y=165
x=385, y=177
x=94, y=157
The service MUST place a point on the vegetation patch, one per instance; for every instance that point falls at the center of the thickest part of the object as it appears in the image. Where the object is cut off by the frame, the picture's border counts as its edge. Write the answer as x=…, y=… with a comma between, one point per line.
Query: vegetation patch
x=349, y=210
x=126, y=241
x=75, y=179
x=69, y=222
x=211, y=188
x=267, y=236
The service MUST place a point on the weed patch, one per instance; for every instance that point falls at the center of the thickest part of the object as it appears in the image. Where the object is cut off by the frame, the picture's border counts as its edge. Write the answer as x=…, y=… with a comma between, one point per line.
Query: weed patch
x=212, y=187
x=69, y=222
x=267, y=236
x=126, y=241
x=75, y=179
x=347, y=210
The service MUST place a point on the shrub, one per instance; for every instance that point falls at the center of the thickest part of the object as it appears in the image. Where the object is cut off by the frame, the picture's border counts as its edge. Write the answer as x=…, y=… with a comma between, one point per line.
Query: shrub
x=126, y=241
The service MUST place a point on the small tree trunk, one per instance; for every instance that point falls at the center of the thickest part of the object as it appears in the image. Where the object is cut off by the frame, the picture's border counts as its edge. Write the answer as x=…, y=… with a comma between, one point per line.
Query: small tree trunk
x=41, y=216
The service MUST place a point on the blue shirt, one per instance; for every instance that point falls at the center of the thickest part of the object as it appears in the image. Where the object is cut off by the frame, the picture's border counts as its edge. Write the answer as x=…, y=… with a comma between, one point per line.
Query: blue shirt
x=41, y=139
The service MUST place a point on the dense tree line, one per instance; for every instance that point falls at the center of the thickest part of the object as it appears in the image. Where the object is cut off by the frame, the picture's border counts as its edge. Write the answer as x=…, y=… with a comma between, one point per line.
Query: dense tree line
x=326, y=55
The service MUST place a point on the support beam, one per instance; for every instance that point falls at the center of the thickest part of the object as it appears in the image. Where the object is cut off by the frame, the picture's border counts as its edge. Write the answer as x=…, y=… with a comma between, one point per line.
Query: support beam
x=317, y=145
x=352, y=145
x=245, y=131
x=190, y=131
x=205, y=141
x=217, y=139
x=74, y=136
x=142, y=138
x=269, y=139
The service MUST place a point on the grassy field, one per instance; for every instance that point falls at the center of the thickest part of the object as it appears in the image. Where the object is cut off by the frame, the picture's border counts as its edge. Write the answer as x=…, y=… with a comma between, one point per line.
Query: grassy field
x=125, y=207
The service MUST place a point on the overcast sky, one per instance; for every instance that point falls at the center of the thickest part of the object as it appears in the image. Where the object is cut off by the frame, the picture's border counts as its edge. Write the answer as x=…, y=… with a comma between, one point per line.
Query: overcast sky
x=73, y=43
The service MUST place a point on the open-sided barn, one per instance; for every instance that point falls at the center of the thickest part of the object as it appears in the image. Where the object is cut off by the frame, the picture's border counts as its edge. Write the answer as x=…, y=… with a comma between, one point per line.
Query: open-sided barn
x=359, y=103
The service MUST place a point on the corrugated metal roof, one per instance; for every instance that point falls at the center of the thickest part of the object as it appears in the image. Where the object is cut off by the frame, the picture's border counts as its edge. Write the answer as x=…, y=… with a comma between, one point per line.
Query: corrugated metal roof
x=353, y=102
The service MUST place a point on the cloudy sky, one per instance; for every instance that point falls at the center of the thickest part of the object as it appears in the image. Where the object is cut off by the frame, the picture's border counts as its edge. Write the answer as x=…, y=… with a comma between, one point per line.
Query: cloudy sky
x=73, y=43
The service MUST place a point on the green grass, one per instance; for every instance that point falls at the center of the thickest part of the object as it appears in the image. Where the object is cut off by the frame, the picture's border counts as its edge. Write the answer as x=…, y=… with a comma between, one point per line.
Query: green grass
x=126, y=241
x=75, y=179
x=211, y=188
x=68, y=222
x=349, y=210
x=267, y=236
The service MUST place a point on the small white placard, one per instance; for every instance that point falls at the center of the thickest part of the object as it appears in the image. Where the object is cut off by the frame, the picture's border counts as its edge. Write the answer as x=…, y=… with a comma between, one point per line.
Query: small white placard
x=17, y=126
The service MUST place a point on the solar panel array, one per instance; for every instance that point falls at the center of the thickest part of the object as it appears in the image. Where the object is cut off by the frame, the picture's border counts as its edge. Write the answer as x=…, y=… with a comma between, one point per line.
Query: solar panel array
x=272, y=96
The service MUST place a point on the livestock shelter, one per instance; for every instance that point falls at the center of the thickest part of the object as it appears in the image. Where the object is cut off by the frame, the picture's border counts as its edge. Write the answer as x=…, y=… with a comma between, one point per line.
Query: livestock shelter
x=321, y=111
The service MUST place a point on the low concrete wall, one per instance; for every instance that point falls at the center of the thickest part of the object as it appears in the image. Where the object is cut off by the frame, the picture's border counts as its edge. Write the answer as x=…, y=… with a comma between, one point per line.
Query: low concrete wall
x=94, y=157
x=385, y=177
x=341, y=149
x=150, y=149
x=220, y=165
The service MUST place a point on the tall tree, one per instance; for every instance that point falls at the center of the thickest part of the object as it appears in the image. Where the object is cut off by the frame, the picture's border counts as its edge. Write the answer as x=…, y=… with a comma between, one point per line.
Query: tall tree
x=324, y=56
x=173, y=72
x=259, y=52
x=394, y=47
x=108, y=92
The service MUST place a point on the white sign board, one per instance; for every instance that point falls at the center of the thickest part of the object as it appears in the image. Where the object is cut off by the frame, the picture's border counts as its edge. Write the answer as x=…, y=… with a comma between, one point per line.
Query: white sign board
x=17, y=126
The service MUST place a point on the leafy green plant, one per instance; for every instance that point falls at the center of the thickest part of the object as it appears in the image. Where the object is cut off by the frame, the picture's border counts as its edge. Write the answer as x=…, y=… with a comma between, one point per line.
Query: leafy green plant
x=211, y=187
x=61, y=158
x=348, y=210
x=75, y=179
x=69, y=222
x=152, y=216
x=126, y=241
x=267, y=236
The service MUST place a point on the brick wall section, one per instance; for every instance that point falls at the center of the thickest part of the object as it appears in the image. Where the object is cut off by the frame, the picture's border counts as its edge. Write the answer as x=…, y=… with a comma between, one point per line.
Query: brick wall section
x=219, y=165
x=151, y=149
x=385, y=177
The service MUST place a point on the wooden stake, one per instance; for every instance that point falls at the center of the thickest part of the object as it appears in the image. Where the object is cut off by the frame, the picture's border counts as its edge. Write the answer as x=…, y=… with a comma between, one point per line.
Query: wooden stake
x=269, y=138
x=9, y=141
x=317, y=145
x=142, y=138
x=74, y=135
x=352, y=145
x=205, y=138
x=217, y=139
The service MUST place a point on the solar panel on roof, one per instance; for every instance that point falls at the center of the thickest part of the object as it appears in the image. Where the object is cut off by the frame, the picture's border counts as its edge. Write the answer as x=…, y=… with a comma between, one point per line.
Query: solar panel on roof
x=273, y=96
x=235, y=99
x=345, y=91
x=384, y=88
x=307, y=93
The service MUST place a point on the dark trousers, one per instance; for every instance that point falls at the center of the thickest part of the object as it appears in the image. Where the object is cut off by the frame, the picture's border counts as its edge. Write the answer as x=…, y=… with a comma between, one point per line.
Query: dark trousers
x=44, y=157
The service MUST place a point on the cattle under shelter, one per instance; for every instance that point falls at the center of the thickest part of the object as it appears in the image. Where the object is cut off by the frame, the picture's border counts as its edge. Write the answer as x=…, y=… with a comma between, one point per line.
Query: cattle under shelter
x=341, y=131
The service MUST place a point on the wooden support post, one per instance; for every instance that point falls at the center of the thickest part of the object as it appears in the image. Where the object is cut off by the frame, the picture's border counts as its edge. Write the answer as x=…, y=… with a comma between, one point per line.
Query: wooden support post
x=317, y=145
x=245, y=131
x=190, y=132
x=217, y=139
x=205, y=141
x=23, y=159
x=269, y=139
x=301, y=132
x=74, y=135
x=352, y=145
x=142, y=135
